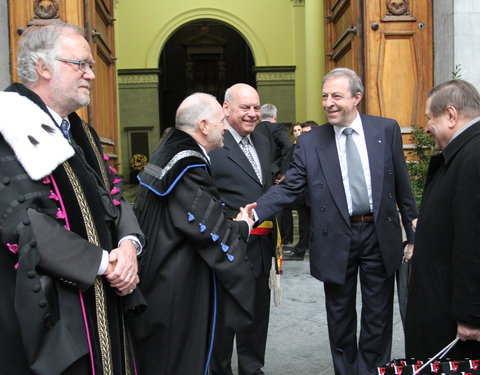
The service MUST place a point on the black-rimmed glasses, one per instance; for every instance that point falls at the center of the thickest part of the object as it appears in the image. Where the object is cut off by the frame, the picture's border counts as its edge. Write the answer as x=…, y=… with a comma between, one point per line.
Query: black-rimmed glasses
x=83, y=65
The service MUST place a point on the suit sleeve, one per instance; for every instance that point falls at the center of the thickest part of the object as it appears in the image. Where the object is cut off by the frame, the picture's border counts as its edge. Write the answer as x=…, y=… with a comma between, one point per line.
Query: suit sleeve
x=284, y=194
x=403, y=188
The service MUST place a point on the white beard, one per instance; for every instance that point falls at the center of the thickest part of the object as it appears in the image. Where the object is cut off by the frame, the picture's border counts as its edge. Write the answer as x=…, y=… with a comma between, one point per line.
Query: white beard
x=39, y=151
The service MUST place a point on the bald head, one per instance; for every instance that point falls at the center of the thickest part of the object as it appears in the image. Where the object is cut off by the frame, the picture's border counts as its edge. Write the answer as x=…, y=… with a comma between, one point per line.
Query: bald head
x=242, y=108
x=201, y=116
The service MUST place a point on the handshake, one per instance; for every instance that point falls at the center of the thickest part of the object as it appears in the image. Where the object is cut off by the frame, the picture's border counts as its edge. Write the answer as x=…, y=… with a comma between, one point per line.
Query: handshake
x=246, y=214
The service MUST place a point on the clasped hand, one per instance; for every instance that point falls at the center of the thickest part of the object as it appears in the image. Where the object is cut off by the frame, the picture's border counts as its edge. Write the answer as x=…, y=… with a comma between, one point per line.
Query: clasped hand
x=122, y=268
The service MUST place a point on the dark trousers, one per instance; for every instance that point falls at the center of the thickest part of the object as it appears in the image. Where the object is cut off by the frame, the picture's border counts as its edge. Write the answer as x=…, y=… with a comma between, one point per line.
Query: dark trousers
x=251, y=343
x=285, y=224
x=375, y=341
x=303, y=229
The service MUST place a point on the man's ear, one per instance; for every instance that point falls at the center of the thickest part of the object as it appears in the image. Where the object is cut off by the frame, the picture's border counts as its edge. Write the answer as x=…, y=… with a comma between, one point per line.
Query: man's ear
x=43, y=70
x=226, y=108
x=357, y=98
x=202, y=126
x=452, y=115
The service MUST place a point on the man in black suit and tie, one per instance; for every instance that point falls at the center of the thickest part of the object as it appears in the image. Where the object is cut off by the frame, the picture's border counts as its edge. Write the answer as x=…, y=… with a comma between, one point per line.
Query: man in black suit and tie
x=241, y=169
x=281, y=146
x=354, y=219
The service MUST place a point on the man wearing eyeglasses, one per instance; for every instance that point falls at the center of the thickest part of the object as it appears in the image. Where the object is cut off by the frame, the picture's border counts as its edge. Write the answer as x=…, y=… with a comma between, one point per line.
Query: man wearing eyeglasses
x=68, y=238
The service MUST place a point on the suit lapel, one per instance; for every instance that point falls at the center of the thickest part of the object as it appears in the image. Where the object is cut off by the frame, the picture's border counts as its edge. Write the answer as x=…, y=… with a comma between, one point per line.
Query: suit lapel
x=236, y=155
x=375, y=140
x=328, y=158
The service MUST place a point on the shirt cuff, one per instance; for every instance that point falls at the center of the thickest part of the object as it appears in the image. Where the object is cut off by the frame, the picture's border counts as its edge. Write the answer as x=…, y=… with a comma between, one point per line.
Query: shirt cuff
x=255, y=216
x=103, y=263
x=135, y=241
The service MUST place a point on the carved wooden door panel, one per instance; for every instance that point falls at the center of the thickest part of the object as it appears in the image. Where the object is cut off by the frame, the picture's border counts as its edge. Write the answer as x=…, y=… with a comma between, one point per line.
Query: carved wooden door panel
x=389, y=43
x=343, y=39
x=103, y=114
x=398, y=59
x=96, y=17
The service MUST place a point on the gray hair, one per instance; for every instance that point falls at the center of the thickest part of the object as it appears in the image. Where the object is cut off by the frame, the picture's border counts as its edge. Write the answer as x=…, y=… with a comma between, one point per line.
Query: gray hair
x=456, y=93
x=356, y=85
x=193, y=109
x=228, y=95
x=267, y=111
x=40, y=43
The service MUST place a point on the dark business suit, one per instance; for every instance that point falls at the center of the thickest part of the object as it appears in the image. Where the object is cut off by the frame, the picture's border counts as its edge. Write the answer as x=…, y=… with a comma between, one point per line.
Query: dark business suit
x=334, y=252
x=281, y=146
x=238, y=185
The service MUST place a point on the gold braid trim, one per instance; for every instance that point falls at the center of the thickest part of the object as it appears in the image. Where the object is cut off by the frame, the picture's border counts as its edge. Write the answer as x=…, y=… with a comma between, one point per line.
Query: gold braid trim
x=99, y=157
x=104, y=172
x=100, y=304
x=125, y=349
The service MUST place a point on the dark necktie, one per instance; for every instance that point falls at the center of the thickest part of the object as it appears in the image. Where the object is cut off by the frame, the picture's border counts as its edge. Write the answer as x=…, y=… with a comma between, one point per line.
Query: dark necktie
x=356, y=178
x=244, y=146
x=64, y=127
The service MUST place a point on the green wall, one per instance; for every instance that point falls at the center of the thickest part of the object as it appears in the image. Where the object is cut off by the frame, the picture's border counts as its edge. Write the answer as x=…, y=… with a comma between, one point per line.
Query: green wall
x=289, y=60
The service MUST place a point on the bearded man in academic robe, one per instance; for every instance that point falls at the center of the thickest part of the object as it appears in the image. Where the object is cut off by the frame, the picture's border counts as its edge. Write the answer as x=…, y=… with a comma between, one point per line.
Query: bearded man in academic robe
x=68, y=238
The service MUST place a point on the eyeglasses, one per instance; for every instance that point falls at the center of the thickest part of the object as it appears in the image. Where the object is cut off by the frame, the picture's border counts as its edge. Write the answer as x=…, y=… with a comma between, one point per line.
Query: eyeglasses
x=83, y=65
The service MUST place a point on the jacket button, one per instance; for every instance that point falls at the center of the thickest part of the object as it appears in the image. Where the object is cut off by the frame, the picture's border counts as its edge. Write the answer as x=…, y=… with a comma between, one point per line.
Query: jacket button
x=389, y=219
x=26, y=221
x=251, y=266
x=6, y=180
x=21, y=198
x=390, y=195
x=31, y=274
x=325, y=232
x=320, y=185
x=33, y=243
x=389, y=171
x=246, y=258
x=36, y=288
x=322, y=208
x=42, y=303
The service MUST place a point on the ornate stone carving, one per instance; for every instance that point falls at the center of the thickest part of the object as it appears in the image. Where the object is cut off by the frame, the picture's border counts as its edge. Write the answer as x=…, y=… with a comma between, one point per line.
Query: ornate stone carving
x=397, y=7
x=275, y=76
x=45, y=9
x=137, y=78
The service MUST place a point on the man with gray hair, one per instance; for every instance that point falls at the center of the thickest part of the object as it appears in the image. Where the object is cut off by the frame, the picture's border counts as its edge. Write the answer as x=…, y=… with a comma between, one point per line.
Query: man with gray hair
x=443, y=299
x=69, y=240
x=280, y=144
x=193, y=247
x=354, y=174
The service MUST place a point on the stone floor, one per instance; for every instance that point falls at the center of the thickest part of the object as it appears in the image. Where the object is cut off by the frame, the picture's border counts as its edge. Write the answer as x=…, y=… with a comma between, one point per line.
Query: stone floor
x=298, y=339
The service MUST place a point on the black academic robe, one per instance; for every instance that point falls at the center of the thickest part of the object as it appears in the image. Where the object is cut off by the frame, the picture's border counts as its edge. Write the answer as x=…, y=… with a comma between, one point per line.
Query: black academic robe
x=59, y=207
x=192, y=248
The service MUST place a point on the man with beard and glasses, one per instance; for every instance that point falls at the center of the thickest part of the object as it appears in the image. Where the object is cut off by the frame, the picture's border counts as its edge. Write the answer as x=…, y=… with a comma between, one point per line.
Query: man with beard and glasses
x=69, y=239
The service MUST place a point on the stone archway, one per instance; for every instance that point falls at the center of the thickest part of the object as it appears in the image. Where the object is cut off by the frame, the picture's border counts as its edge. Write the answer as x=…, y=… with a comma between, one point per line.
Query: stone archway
x=203, y=55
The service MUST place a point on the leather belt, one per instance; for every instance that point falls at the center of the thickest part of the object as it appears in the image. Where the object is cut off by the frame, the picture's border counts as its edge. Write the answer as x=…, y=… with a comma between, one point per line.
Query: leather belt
x=363, y=218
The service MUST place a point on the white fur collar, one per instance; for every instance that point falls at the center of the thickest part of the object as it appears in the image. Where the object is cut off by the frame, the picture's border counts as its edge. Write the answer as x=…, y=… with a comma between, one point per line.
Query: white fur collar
x=38, y=143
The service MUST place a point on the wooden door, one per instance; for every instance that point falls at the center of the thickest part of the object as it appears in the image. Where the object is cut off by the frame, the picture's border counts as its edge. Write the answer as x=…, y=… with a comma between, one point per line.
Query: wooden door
x=96, y=17
x=389, y=43
x=398, y=59
x=103, y=113
x=343, y=35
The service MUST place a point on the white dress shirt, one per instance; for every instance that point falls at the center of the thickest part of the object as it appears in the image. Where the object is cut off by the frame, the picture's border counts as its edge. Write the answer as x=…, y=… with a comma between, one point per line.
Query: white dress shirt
x=358, y=137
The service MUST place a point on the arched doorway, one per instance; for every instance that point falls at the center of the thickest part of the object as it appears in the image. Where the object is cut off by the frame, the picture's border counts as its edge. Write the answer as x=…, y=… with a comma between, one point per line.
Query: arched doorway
x=204, y=55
